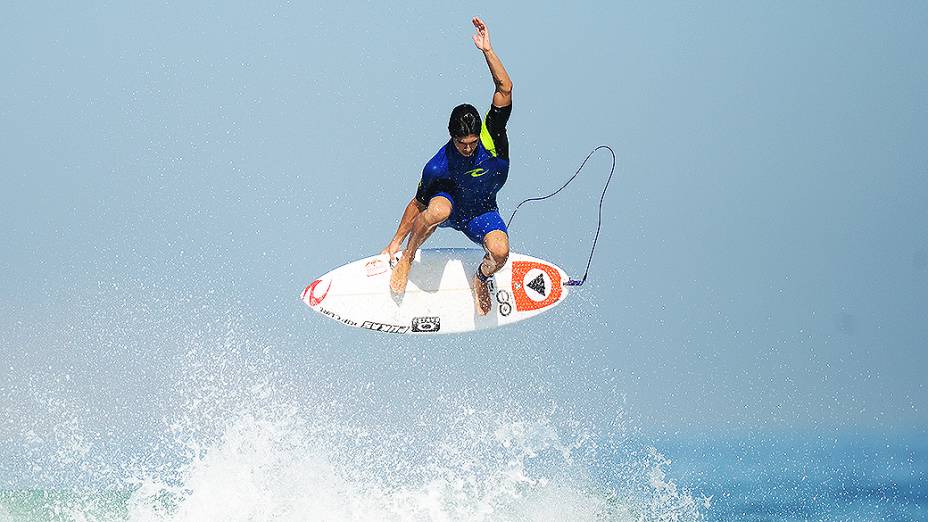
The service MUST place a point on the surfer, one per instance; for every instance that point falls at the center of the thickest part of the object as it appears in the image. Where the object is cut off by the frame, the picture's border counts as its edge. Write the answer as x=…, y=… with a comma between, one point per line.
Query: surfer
x=459, y=184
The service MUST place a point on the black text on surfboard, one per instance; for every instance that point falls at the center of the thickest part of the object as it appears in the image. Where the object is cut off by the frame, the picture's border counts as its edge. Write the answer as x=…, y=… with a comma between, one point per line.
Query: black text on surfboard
x=387, y=328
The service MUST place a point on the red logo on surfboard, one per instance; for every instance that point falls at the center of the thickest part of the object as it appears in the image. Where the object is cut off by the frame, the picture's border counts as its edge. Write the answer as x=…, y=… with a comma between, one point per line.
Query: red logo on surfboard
x=535, y=285
x=309, y=296
x=375, y=267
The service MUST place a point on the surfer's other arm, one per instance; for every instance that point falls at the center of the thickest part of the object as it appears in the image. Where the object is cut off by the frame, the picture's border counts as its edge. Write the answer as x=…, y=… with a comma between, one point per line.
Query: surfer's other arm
x=413, y=209
x=502, y=97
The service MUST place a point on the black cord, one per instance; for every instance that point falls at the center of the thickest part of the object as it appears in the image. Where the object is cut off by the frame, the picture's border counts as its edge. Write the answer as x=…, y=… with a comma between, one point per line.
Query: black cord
x=573, y=282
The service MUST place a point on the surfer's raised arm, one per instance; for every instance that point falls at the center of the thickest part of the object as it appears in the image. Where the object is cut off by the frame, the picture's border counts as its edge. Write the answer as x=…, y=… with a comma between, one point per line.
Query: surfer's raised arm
x=502, y=97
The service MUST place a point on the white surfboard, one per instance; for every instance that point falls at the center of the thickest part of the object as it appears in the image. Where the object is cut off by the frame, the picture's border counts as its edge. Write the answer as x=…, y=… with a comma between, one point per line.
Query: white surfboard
x=439, y=297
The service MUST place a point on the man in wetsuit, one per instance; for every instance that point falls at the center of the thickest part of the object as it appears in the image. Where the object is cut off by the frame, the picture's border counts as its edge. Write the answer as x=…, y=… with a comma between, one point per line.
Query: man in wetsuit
x=459, y=184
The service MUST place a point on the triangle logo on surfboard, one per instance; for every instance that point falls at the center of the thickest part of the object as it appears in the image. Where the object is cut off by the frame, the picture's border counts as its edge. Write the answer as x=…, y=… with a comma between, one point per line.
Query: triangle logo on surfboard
x=538, y=285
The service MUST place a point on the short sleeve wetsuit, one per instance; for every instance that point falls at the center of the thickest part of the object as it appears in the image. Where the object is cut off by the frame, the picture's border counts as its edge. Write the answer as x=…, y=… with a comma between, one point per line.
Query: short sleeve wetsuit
x=470, y=183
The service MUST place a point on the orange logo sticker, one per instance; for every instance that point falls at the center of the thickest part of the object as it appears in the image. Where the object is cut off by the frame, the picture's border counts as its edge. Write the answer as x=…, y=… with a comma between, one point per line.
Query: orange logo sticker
x=535, y=285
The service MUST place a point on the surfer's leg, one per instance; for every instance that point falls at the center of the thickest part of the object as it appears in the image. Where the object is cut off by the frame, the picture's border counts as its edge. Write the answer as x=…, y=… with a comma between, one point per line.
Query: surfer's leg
x=496, y=244
x=488, y=230
x=426, y=222
x=438, y=211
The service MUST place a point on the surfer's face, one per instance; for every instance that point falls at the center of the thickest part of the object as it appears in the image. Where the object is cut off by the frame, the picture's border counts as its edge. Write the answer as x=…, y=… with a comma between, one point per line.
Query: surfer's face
x=466, y=145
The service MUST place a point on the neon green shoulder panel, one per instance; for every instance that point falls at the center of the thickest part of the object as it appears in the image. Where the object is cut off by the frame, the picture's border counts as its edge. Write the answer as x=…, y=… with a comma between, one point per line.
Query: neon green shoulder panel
x=485, y=137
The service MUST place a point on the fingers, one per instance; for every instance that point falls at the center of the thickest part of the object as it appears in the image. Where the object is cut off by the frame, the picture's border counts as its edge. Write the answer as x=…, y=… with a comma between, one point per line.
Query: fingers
x=482, y=36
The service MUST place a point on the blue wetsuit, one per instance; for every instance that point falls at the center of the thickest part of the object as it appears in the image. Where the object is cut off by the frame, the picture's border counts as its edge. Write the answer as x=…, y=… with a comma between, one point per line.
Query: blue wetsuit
x=470, y=183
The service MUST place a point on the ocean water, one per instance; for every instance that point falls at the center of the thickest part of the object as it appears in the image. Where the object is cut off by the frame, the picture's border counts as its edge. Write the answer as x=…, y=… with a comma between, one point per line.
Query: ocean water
x=135, y=414
x=172, y=408
x=272, y=460
x=806, y=476
x=282, y=469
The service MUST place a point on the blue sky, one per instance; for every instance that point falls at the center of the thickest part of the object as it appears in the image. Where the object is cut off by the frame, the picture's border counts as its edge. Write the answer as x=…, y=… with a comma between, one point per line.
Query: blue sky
x=764, y=260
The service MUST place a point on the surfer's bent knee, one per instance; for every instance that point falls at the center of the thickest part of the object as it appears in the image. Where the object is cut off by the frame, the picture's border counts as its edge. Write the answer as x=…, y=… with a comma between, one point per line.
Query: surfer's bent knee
x=439, y=210
x=440, y=206
x=497, y=245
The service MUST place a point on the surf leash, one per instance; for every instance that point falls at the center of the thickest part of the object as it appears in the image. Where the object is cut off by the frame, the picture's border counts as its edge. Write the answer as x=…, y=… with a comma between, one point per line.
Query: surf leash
x=599, y=222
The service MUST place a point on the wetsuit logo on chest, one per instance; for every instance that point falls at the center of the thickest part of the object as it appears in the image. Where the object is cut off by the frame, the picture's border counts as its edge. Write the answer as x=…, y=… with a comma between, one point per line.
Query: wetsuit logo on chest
x=476, y=173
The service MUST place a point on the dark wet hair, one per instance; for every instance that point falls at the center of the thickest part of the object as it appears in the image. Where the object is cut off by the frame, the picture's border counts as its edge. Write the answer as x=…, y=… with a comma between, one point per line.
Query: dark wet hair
x=464, y=120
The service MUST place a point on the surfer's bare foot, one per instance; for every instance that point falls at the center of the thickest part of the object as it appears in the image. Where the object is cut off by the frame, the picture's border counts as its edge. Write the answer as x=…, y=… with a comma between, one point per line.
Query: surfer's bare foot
x=481, y=297
x=400, y=276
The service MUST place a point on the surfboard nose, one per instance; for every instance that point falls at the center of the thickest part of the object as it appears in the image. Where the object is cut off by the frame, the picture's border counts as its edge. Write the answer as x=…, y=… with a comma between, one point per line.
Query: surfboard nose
x=305, y=291
x=313, y=296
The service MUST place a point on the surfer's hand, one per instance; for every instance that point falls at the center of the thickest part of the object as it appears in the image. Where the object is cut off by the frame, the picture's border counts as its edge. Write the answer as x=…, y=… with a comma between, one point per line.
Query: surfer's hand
x=482, y=37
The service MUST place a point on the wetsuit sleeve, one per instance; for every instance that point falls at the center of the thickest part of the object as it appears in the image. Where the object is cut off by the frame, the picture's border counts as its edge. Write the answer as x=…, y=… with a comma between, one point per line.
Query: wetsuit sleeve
x=493, y=134
x=422, y=193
